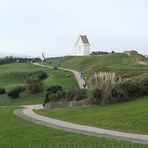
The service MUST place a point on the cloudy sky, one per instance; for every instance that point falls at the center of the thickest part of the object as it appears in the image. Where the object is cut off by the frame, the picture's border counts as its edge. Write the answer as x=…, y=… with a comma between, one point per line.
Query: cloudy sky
x=29, y=27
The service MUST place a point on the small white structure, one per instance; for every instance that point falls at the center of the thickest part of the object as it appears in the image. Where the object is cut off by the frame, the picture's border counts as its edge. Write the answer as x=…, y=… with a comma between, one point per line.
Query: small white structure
x=82, y=46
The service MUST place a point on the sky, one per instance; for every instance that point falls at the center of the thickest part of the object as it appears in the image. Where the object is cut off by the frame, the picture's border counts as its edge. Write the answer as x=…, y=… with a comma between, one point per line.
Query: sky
x=30, y=27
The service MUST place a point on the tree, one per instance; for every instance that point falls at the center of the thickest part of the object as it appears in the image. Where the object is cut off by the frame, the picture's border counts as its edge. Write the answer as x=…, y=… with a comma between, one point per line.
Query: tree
x=33, y=83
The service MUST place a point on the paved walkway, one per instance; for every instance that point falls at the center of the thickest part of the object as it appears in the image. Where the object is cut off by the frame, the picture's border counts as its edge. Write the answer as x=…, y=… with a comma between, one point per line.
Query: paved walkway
x=79, y=79
x=27, y=113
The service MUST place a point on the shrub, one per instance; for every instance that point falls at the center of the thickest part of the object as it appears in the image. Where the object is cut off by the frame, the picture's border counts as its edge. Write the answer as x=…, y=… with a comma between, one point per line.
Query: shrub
x=118, y=95
x=73, y=95
x=53, y=97
x=2, y=91
x=41, y=75
x=21, y=88
x=98, y=52
x=96, y=96
x=54, y=89
x=144, y=87
x=34, y=85
x=68, y=95
x=114, y=90
x=15, y=93
x=106, y=82
x=132, y=88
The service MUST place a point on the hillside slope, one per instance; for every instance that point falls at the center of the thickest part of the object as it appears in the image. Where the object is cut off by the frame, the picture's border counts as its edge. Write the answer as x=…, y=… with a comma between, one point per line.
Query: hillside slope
x=120, y=63
x=12, y=76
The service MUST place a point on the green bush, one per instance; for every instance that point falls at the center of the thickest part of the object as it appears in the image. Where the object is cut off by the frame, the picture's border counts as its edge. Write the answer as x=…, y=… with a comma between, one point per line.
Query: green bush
x=73, y=95
x=129, y=89
x=118, y=90
x=2, y=91
x=53, y=97
x=68, y=95
x=51, y=94
x=118, y=95
x=41, y=75
x=34, y=85
x=15, y=93
x=54, y=89
x=95, y=96
x=144, y=87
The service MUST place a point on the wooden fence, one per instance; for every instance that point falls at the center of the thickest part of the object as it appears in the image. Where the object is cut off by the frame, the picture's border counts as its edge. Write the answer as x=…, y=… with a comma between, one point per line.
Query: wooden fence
x=67, y=104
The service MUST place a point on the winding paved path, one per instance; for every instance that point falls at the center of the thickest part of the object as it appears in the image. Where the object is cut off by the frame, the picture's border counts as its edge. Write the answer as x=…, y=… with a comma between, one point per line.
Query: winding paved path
x=27, y=113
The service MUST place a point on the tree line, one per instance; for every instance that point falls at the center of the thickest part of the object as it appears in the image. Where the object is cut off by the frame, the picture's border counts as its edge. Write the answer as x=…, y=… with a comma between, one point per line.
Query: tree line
x=11, y=59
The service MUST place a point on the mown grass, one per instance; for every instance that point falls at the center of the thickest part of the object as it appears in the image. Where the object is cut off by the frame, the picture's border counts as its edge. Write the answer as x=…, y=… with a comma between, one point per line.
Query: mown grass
x=25, y=99
x=128, y=117
x=20, y=67
x=12, y=75
x=19, y=133
x=59, y=77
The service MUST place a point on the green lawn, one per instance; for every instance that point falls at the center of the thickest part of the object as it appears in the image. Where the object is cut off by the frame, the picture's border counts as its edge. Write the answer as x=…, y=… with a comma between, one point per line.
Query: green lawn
x=128, y=117
x=12, y=75
x=58, y=77
x=20, y=67
x=19, y=133
x=25, y=99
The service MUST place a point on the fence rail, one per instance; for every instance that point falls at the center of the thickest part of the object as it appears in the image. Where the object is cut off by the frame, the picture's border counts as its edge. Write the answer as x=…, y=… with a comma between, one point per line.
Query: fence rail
x=82, y=103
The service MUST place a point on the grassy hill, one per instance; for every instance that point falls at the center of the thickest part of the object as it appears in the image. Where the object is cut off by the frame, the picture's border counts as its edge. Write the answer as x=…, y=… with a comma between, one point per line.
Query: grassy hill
x=12, y=75
x=120, y=63
x=16, y=132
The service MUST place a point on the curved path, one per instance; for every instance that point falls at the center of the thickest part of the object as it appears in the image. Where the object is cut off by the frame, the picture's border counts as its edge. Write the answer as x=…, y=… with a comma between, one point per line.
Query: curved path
x=27, y=113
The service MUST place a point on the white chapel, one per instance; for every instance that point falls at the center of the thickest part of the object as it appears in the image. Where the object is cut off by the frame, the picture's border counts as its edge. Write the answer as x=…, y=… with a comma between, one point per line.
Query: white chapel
x=82, y=46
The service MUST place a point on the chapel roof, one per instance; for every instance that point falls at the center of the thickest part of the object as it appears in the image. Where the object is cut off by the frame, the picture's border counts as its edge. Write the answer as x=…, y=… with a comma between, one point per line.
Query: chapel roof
x=84, y=39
